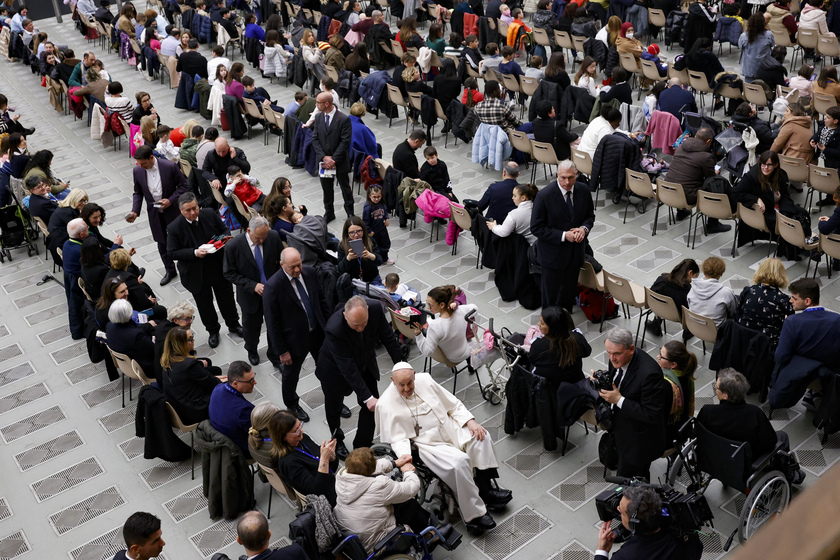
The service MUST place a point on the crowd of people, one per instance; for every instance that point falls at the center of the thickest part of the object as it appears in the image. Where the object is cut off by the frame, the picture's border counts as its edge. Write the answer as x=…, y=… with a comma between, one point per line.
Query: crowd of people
x=266, y=275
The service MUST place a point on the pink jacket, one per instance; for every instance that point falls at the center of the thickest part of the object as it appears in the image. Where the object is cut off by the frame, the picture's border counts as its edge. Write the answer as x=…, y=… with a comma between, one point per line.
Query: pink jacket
x=663, y=129
x=433, y=205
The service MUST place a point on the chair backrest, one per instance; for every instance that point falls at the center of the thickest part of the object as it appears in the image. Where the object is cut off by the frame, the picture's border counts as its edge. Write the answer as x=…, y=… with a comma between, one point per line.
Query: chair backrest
x=176, y=420
x=752, y=218
x=789, y=93
x=726, y=90
x=217, y=195
x=520, y=141
x=268, y=116
x=439, y=356
x=279, y=119
x=541, y=37
x=397, y=49
x=435, y=61
x=400, y=324
x=681, y=74
x=621, y=289
x=796, y=168
x=453, y=56
x=827, y=45
x=790, y=230
x=528, y=85
x=628, y=62
x=650, y=71
x=662, y=306
x=723, y=459
x=83, y=287
x=755, y=94
x=130, y=367
x=714, y=205
x=639, y=183
x=698, y=81
x=807, y=38
x=699, y=325
x=381, y=167
x=395, y=96
x=439, y=110
x=252, y=109
x=544, y=152
x=656, y=17
x=830, y=245
x=415, y=99
x=186, y=167
x=332, y=73
x=563, y=40
x=385, y=47
x=461, y=216
x=503, y=28
x=589, y=278
x=280, y=485
x=583, y=161
x=510, y=82
x=781, y=37
x=823, y=102
x=42, y=226
x=243, y=209
x=671, y=194
x=823, y=179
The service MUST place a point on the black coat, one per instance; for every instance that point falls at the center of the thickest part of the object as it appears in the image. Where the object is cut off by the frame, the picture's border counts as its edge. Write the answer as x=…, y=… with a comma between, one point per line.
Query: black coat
x=530, y=404
x=301, y=471
x=550, y=91
x=739, y=422
x=42, y=207
x=285, y=318
x=138, y=297
x=349, y=357
x=94, y=277
x=161, y=330
x=615, y=152
x=57, y=227
x=748, y=351
x=748, y=191
x=135, y=341
x=678, y=293
x=405, y=160
x=621, y=91
x=497, y=200
x=554, y=132
x=215, y=167
x=183, y=240
x=173, y=183
x=193, y=62
x=240, y=267
x=446, y=90
x=334, y=142
x=659, y=545
x=762, y=131
x=550, y=218
x=152, y=423
x=513, y=277
x=546, y=362
x=188, y=386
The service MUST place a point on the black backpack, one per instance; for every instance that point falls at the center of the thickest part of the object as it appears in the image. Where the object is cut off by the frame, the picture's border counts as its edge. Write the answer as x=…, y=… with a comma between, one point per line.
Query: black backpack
x=302, y=532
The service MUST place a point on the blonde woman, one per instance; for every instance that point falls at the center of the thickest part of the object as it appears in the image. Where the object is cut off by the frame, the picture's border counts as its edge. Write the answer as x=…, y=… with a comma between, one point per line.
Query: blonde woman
x=148, y=129
x=259, y=440
x=764, y=306
x=68, y=209
x=188, y=382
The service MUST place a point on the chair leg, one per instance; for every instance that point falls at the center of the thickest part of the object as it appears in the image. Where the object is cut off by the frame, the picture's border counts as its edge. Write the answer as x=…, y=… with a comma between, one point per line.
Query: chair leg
x=565, y=441
x=270, y=495
x=454, y=381
x=123, y=389
x=639, y=327
x=625, y=210
x=656, y=217
x=192, y=455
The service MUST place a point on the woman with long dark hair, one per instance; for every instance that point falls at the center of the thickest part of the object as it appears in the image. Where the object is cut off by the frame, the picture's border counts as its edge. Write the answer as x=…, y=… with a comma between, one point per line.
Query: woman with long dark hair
x=358, y=61
x=674, y=356
x=701, y=58
x=41, y=164
x=233, y=83
x=364, y=266
x=187, y=381
x=755, y=43
x=555, y=70
x=675, y=285
x=448, y=330
x=94, y=267
x=408, y=36
x=558, y=354
x=446, y=86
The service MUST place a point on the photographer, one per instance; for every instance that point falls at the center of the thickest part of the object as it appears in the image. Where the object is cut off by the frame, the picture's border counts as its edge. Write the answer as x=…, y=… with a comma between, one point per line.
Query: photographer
x=641, y=400
x=640, y=510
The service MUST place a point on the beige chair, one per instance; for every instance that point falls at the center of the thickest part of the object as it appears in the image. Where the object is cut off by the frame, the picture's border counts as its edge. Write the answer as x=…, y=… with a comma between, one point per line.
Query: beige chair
x=562, y=40
x=503, y=28
x=699, y=83
x=784, y=91
x=435, y=61
x=782, y=39
x=83, y=287
x=822, y=179
x=755, y=220
x=807, y=38
x=628, y=62
x=700, y=326
x=187, y=429
x=511, y=84
x=528, y=85
x=578, y=41
x=755, y=95
x=129, y=368
x=252, y=110
x=728, y=92
x=541, y=38
x=672, y=195
x=332, y=73
x=186, y=167
x=713, y=205
x=277, y=483
x=657, y=18
x=681, y=74
x=640, y=185
x=400, y=324
x=280, y=121
x=415, y=101
x=454, y=57
x=395, y=96
x=521, y=142
x=583, y=161
x=464, y=221
x=243, y=209
x=796, y=168
x=791, y=231
x=830, y=246
x=591, y=279
x=543, y=153
x=397, y=49
x=628, y=293
x=663, y=307
x=440, y=357
x=650, y=71
x=442, y=117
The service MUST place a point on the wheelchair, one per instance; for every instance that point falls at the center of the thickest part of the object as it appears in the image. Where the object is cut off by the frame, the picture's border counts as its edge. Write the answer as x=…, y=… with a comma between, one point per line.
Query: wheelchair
x=399, y=544
x=707, y=457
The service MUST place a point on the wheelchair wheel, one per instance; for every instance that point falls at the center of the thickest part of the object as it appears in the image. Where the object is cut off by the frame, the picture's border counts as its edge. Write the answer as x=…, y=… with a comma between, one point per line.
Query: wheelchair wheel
x=770, y=495
x=679, y=464
x=491, y=394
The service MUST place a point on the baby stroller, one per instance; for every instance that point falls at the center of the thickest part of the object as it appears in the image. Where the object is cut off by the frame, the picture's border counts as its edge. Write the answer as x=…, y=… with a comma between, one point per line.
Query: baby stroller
x=14, y=233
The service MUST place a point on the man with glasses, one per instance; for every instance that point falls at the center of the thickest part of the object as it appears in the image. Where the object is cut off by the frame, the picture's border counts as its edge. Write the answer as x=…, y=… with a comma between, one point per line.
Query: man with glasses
x=230, y=412
x=42, y=203
x=332, y=133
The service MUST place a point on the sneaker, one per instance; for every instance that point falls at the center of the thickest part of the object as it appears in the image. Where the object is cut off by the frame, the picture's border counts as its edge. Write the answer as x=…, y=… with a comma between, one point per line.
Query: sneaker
x=579, y=56
x=812, y=240
x=390, y=261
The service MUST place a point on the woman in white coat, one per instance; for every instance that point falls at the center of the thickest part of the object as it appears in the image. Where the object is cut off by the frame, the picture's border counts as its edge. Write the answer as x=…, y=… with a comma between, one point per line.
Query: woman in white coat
x=217, y=92
x=275, y=56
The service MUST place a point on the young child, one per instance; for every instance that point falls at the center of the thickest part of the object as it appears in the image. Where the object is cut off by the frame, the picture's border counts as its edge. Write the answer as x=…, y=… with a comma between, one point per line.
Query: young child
x=803, y=82
x=258, y=94
x=534, y=69
x=652, y=54
x=165, y=147
x=471, y=55
x=403, y=294
x=506, y=17
x=327, y=85
x=471, y=96
x=509, y=66
x=100, y=67
x=4, y=15
x=456, y=44
x=436, y=174
x=493, y=60
x=517, y=16
x=246, y=188
x=375, y=216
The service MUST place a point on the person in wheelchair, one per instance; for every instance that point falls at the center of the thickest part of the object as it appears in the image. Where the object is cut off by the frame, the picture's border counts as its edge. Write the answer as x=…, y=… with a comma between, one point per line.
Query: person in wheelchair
x=738, y=420
x=371, y=504
x=415, y=408
x=641, y=515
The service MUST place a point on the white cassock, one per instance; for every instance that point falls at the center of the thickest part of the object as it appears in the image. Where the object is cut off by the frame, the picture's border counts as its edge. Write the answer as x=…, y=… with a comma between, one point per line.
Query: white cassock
x=445, y=444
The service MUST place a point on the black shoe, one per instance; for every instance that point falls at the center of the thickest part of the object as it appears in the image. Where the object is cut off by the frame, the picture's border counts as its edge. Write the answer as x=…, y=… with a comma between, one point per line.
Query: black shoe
x=816, y=256
x=835, y=264
x=329, y=217
x=254, y=358
x=238, y=331
x=341, y=450
x=301, y=414
x=827, y=201
x=480, y=524
x=28, y=131
x=683, y=214
x=213, y=341
x=141, y=272
x=718, y=228
x=616, y=198
x=654, y=327
x=496, y=498
x=276, y=362
x=798, y=477
x=345, y=412
x=168, y=277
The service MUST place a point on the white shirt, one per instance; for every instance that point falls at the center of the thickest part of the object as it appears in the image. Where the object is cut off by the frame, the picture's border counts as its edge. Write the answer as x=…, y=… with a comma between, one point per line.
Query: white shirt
x=518, y=220
x=331, y=115
x=154, y=183
x=212, y=64
x=252, y=245
x=593, y=134
x=588, y=83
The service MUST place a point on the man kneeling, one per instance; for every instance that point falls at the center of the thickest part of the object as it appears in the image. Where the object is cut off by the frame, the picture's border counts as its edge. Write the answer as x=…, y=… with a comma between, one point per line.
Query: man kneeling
x=450, y=442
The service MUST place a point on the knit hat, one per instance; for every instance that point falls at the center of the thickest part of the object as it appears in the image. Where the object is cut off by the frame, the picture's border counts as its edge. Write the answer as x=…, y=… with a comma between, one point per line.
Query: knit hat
x=653, y=49
x=624, y=27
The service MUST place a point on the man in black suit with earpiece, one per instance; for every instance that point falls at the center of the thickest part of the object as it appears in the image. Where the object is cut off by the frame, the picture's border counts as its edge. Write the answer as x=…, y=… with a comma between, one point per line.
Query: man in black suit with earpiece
x=332, y=133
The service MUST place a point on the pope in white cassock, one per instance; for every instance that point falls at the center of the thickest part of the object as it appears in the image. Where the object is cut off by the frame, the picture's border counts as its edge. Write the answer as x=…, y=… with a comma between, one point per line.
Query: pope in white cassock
x=450, y=442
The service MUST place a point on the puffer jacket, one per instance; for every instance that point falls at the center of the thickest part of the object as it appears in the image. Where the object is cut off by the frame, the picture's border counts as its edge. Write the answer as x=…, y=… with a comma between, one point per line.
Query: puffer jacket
x=545, y=19
x=364, y=504
x=372, y=87
x=275, y=62
x=794, y=138
x=615, y=152
x=202, y=28
x=728, y=30
x=813, y=18
x=753, y=54
x=781, y=19
x=692, y=163
x=491, y=146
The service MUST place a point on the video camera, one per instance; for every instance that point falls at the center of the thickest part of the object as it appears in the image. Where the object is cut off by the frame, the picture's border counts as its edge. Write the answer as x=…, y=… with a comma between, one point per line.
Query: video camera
x=682, y=514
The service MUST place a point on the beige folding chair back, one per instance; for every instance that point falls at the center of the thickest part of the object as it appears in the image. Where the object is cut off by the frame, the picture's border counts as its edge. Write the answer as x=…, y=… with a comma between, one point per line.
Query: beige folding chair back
x=807, y=38
x=217, y=195
x=700, y=326
x=755, y=95
x=752, y=218
x=796, y=168
x=784, y=91
x=681, y=74
x=591, y=279
x=415, y=100
x=830, y=245
x=729, y=92
x=435, y=61
x=332, y=73
x=640, y=183
x=663, y=307
x=698, y=81
x=400, y=324
x=252, y=110
x=563, y=40
x=172, y=68
x=511, y=83
x=281, y=486
x=656, y=17
x=397, y=49
x=672, y=194
x=541, y=37
x=176, y=422
x=781, y=38
x=827, y=45
x=243, y=208
x=83, y=287
x=381, y=167
x=791, y=231
x=578, y=42
x=461, y=216
x=822, y=179
x=42, y=226
x=521, y=142
x=528, y=85
x=395, y=96
x=626, y=292
x=503, y=28
x=583, y=161
x=454, y=57
x=131, y=368
x=650, y=71
x=186, y=167
x=628, y=62
x=544, y=153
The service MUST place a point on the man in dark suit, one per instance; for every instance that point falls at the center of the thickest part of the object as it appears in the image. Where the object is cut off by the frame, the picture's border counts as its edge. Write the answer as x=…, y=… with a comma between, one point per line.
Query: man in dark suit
x=250, y=275
x=142, y=536
x=562, y=217
x=42, y=203
x=347, y=364
x=641, y=513
x=295, y=316
x=160, y=183
x=404, y=158
x=332, y=133
x=201, y=271
x=498, y=198
x=215, y=166
x=641, y=399
x=253, y=534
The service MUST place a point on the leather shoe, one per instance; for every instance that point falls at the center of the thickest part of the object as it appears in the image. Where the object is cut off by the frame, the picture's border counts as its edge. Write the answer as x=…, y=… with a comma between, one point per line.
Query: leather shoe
x=238, y=331
x=329, y=217
x=480, y=524
x=254, y=358
x=345, y=412
x=29, y=131
x=213, y=341
x=497, y=498
x=276, y=362
x=341, y=450
x=167, y=278
x=718, y=228
x=301, y=414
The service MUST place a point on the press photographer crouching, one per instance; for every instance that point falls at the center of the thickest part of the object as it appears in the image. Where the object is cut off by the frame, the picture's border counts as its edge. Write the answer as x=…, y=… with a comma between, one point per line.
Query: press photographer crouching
x=650, y=539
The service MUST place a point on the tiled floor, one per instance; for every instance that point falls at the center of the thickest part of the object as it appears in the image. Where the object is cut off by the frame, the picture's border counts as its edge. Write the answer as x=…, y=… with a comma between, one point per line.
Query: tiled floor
x=73, y=470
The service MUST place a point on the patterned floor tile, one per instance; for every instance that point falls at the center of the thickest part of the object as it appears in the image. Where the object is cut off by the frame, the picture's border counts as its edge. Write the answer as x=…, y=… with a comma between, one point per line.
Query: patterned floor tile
x=164, y=472
x=512, y=534
x=5, y=510
x=313, y=399
x=39, y=421
x=495, y=426
x=713, y=542
x=48, y=450
x=35, y=298
x=621, y=245
x=22, y=397
x=215, y=537
x=187, y=504
x=54, y=335
x=45, y=315
x=119, y=419
x=533, y=459
x=470, y=395
x=4, y=331
x=67, y=478
x=11, y=351
x=280, y=543
x=815, y=457
x=83, y=373
x=781, y=417
x=14, y=545
x=64, y=355
x=582, y=486
x=734, y=505
x=655, y=260
x=132, y=448
x=15, y=373
x=86, y=510
x=110, y=391
x=103, y=547
x=9, y=269
x=574, y=551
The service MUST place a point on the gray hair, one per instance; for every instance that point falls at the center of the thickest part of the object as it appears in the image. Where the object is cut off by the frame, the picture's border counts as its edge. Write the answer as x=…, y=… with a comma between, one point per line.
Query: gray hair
x=354, y=303
x=375, y=14
x=180, y=310
x=511, y=169
x=733, y=384
x=120, y=311
x=186, y=198
x=566, y=164
x=288, y=253
x=75, y=227
x=618, y=335
x=257, y=222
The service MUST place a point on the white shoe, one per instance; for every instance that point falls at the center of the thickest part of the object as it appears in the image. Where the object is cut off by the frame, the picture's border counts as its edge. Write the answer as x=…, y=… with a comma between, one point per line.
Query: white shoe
x=150, y=78
x=390, y=261
x=579, y=56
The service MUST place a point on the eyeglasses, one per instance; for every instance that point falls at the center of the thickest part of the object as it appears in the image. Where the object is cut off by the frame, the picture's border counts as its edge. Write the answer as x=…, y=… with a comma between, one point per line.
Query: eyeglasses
x=251, y=381
x=298, y=431
x=356, y=232
x=661, y=357
x=187, y=319
x=191, y=339
x=768, y=164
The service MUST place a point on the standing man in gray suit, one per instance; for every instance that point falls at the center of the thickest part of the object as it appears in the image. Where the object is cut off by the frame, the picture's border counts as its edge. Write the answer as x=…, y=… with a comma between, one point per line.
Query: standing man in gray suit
x=331, y=136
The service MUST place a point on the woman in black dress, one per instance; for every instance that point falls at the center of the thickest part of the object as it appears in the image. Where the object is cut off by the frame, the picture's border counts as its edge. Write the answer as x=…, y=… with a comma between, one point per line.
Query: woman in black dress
x=558, y=355
x=188, y=382
x=676, y=285
x=764, y=306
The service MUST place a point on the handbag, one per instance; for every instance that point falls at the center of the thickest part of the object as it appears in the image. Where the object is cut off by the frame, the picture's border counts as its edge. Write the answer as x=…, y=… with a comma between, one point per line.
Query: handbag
x=607, y=451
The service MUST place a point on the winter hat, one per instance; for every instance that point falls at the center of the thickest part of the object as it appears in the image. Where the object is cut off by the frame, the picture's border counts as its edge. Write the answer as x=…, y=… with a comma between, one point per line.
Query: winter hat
x=653, y=49
x=624, y=27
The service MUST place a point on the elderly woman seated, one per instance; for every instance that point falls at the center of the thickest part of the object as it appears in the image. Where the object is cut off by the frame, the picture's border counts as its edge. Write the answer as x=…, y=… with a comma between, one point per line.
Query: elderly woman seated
x=140, y=295
x=129, y=338
x=179, y=315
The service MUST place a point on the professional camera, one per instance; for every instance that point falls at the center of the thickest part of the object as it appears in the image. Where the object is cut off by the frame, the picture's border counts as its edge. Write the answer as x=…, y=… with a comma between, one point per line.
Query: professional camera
x=682, y=514
x=602, y=380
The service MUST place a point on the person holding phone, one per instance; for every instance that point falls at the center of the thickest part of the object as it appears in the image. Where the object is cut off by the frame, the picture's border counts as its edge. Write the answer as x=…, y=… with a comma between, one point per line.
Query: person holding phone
x=448, y=331
x=358, y=253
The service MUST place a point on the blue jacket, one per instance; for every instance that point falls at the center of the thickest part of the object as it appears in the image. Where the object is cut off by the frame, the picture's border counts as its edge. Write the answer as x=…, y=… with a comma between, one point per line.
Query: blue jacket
x=753, y=54
x=230, y=413
x=202, y=28
x=372, y=87
x=812, y=333
x=674, y=98
x=255, y=31
x=186, y=98
x=832, y=225
x=728, y=30
x=791, y=380
x=72, y=256
x=363, y=140
x=491, y=146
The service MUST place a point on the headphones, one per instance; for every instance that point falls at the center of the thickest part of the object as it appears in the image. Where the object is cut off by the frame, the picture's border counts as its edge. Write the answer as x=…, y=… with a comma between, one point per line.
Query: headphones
x=633, y=513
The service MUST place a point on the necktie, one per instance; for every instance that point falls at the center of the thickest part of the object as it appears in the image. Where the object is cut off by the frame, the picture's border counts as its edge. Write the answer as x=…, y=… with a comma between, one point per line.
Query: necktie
x=327, y=120
x=569, y=203
x=259, y=258
x=196, y=234
x=307, y=304
x=619, y=377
